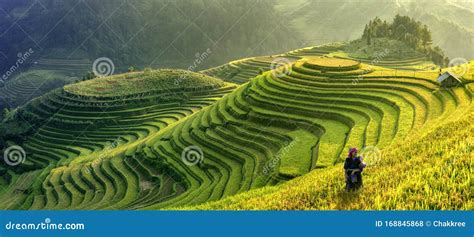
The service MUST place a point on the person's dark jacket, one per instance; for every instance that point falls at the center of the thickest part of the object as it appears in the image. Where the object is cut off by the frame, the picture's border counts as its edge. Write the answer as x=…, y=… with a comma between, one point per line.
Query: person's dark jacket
x=351, y=164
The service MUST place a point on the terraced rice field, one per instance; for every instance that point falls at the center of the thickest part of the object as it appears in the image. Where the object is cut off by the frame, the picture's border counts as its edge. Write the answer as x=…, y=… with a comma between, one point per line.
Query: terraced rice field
x=428, y=171
x=22, y=88
x=241, y=71
x=81, y=131
x=69, y=66
x=181, y=142
x=418, y=63
x=244, y=131
x=316, y=51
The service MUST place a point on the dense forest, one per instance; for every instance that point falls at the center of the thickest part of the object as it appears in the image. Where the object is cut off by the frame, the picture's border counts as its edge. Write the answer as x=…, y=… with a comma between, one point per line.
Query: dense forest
x=408, y=30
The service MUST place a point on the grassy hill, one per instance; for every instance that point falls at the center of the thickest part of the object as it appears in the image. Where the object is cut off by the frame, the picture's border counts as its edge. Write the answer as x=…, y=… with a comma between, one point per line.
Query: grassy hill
x=388, y=54
x=176, y=139
x=241, y=71
x=76, y=131
x=430, y=171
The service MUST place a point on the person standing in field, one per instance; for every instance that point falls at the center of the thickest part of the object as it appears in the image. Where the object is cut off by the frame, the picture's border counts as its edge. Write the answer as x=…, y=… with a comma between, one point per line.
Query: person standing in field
x=353, y=167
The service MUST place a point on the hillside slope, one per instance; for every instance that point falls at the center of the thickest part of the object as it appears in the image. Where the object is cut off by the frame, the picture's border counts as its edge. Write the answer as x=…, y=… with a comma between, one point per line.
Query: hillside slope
x=174, y=139
x=74, y=136
x=430, y=171
x=318, y=108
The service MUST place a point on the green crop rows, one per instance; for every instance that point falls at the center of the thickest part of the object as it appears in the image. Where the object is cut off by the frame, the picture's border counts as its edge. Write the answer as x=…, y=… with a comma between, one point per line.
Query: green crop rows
x=100, y=146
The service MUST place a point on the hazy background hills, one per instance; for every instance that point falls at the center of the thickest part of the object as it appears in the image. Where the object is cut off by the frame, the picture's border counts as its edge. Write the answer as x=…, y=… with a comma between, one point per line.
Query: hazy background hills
x=156, y=33
x=322, y=21
x=165, y=33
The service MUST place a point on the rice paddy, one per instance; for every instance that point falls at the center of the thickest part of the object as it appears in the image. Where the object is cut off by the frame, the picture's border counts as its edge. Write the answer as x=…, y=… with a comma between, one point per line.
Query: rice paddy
x=174, y=139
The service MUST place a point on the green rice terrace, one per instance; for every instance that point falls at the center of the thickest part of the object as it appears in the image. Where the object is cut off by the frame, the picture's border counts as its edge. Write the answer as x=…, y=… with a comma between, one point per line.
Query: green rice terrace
x=171, y=139
x=28, y=85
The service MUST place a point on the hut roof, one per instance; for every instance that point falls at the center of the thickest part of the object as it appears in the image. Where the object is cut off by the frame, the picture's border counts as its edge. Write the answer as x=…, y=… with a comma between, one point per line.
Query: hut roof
x=447, y=75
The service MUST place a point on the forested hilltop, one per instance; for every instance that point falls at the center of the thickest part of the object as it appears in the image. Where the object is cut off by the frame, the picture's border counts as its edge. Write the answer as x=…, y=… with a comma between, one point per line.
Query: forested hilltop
x=407, y=30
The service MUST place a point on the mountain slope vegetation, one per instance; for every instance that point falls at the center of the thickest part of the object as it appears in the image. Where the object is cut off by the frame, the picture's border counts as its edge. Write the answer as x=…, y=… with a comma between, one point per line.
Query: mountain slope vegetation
x=73, y=131
x=451, y=22
x=430, y=172
x=142, y=33
x=266, y=132
x=177, y=139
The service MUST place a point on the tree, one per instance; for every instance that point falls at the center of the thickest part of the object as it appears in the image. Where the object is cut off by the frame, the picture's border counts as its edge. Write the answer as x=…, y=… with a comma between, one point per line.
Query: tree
x=426, y=37
x=407, y=30
x=369, y=37
x=437, y=56
x=89, y=76
x=446, y=62
x=364, y=35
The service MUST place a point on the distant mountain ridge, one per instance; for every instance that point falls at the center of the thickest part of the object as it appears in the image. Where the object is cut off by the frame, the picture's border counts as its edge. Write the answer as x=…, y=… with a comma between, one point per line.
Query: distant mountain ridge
x=451, y=22
x=163, y=33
